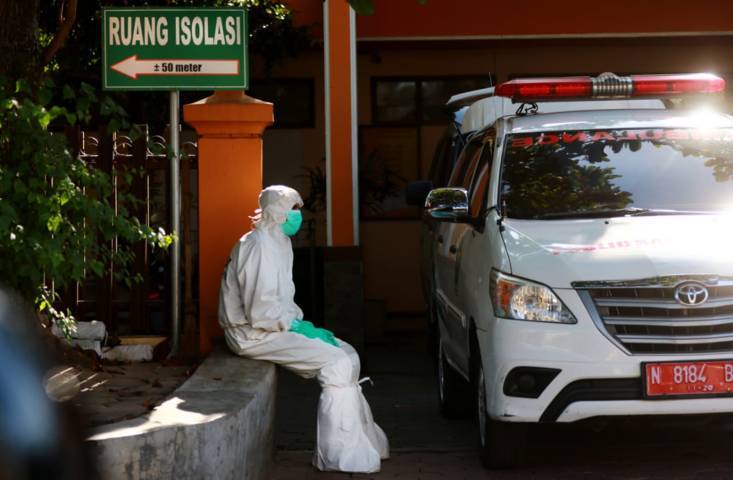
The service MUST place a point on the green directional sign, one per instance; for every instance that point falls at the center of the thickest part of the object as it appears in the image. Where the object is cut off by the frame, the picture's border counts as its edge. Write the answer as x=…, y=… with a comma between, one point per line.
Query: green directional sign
x=174, y=48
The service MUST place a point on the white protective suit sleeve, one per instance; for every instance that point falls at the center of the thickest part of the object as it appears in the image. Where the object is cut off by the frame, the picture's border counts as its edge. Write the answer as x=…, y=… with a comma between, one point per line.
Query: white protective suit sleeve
x=260, y=292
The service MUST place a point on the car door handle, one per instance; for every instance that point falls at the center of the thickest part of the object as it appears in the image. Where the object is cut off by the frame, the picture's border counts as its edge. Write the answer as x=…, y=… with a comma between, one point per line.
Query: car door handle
x=440, y=238
x=453, y=249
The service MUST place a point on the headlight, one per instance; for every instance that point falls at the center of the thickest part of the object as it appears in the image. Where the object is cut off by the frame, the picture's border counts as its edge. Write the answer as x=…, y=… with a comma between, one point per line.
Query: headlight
x=520, y=299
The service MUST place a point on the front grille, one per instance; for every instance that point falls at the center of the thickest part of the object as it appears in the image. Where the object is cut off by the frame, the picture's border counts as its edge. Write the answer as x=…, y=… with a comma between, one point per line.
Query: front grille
x=644, y=318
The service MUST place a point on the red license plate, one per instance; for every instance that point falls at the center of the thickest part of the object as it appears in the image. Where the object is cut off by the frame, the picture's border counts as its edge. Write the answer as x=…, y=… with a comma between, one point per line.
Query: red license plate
x=681, y=379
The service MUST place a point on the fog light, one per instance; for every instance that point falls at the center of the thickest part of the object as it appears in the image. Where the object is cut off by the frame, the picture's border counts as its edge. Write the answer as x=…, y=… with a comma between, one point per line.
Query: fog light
x=528, y=382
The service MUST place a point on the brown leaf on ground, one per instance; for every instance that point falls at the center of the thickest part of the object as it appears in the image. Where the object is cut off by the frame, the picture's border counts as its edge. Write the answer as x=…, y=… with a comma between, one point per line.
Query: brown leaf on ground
x=129, y=393
x=175, y=362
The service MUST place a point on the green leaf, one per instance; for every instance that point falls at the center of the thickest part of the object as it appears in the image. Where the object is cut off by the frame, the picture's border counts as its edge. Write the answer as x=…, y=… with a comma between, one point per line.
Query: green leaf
x=107, y=107
x=68, y=93
x=88, y=91
x=113, y=126
x=8, y=104
x=45, y=118
x=22, y=86
x=53, y=223
x=362, y=7
x=135, y=132
x=45, y=95
x=56, y=111
x=82, y=106
x=96, y=267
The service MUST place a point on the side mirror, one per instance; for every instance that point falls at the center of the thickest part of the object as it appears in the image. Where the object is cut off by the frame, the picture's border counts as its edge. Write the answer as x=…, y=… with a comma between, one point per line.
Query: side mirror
x=448, y=204
x=417, y=192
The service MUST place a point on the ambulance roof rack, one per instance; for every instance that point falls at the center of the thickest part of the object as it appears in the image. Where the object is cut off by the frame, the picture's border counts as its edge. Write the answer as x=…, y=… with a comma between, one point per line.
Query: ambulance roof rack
x=467, y=98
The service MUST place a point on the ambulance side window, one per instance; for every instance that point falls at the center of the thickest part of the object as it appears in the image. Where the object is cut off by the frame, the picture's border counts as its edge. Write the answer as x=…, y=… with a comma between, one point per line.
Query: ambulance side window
x=477, y=193
x=446, y=155
x=466, y=165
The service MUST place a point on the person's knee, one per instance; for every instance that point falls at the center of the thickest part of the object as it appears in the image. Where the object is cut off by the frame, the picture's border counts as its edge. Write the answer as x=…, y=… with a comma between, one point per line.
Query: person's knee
x=339, y=371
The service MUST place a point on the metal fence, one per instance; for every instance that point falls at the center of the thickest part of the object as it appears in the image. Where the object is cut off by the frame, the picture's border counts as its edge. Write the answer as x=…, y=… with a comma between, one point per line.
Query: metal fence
x=143, y=307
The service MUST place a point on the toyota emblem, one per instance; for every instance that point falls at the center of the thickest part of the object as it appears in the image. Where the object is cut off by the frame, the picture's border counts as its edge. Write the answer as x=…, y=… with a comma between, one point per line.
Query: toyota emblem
x=691, y=294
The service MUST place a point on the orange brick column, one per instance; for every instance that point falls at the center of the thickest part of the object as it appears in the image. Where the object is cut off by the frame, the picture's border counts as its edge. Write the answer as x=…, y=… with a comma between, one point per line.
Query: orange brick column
x=230, y=126
x=342, y=193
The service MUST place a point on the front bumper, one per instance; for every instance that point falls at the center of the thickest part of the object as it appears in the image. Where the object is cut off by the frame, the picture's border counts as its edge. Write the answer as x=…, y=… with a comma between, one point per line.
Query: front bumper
x=596, y=377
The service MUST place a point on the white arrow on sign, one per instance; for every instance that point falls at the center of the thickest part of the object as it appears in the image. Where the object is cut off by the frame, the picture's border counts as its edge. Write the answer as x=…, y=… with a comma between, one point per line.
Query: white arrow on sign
x=132, y=67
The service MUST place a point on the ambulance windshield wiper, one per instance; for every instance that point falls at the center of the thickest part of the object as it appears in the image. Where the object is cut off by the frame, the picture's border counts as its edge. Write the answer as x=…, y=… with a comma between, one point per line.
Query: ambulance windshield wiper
x=648, y=212
x=616, y=212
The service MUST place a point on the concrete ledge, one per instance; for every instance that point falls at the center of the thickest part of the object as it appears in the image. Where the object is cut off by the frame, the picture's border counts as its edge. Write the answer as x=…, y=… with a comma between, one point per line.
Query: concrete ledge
x=208, y=428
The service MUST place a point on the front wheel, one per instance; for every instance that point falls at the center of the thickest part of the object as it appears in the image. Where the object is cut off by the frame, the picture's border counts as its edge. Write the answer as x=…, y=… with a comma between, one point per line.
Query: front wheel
x=501, y=444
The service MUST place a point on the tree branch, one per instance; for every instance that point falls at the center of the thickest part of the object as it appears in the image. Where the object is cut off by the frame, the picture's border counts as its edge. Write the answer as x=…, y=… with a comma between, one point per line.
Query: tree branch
x=67, y=18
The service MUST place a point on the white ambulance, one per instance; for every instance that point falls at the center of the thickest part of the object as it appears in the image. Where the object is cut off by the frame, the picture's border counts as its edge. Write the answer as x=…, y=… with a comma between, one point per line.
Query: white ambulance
x=579, y=260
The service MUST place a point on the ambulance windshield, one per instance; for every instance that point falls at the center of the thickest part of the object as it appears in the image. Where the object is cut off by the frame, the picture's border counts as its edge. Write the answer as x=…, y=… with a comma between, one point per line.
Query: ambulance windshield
x=598, y=173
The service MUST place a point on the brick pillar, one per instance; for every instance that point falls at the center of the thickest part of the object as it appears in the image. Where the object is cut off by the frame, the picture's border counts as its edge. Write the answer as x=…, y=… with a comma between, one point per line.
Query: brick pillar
x=230, y=126
x=341, y=123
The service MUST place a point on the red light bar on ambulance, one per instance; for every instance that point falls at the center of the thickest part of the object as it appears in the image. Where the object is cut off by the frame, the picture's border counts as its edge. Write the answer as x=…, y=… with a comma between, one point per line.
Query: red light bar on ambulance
x=609, y=86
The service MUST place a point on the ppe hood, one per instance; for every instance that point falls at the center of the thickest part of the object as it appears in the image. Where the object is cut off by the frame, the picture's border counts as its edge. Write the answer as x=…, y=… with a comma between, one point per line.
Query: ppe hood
x=275, y=202
x=559, y=252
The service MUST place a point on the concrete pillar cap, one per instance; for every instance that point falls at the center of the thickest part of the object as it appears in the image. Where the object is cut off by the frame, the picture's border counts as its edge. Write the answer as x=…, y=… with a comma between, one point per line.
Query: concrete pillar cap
x=229, y=113
x=230, y=96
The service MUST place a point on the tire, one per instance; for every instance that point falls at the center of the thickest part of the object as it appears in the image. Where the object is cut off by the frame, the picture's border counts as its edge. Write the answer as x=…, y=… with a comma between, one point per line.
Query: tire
x=454, y=392
x=501, y=444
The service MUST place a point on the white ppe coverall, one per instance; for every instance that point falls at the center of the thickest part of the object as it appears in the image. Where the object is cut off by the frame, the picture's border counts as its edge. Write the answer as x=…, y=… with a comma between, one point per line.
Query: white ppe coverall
x=256, y=309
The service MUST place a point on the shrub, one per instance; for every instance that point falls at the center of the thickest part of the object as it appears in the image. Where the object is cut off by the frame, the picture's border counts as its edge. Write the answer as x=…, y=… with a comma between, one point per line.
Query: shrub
x=56, y=220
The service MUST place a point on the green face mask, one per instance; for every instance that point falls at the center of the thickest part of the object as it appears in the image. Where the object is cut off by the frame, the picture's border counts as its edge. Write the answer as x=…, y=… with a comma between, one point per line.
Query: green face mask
x=293, y=222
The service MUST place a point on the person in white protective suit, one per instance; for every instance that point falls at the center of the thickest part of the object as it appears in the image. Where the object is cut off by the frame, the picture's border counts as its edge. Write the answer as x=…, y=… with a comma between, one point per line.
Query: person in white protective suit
x=261, y=321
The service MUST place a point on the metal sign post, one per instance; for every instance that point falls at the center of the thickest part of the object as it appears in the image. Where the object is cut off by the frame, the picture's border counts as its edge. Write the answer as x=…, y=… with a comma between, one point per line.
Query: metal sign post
x=174, y=49
x=175, y=220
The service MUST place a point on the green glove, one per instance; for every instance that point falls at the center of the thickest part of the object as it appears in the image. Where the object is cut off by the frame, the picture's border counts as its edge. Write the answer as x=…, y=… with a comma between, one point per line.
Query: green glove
x=307, y=329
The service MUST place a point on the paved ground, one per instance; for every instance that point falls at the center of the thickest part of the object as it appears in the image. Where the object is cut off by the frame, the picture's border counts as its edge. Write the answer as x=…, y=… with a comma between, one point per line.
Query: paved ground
x=426, y=446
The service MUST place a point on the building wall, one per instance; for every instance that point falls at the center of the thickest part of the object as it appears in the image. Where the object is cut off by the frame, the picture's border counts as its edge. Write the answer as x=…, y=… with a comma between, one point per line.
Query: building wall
x=407, y=19
x=391, y=248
